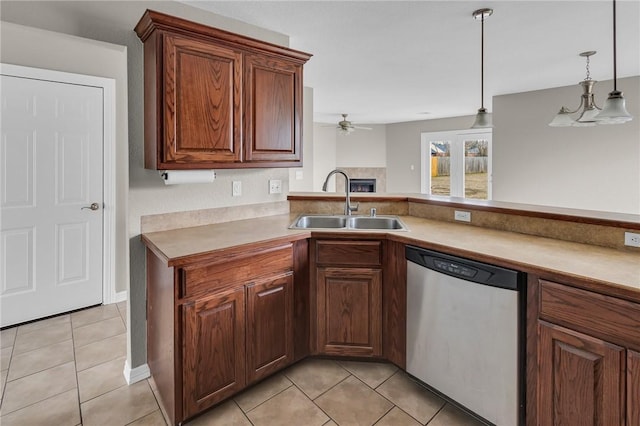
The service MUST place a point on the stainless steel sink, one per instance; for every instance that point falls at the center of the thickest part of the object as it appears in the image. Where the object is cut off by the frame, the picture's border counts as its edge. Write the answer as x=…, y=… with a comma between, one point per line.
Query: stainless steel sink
x=323, y=221
x=377, y=222
x=320, y=221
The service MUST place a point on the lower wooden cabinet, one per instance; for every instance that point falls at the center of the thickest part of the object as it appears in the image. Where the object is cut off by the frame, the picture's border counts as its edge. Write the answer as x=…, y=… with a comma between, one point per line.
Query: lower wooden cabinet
x=269, y=326
x=214, y=349
x=347, y=289
x=220, y=323
x=350, y=311
x=583, y=360
x=633, y=388
x=581, y=379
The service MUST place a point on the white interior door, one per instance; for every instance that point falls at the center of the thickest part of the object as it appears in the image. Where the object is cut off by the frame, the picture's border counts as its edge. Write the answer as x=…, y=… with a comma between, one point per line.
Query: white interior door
x=51, y=245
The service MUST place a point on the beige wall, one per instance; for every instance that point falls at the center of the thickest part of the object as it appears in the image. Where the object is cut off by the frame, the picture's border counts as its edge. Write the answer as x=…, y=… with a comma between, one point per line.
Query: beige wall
x=324, y=154
x=362, y=148
x=591, y=168
x=113, y=22
x=403, y=150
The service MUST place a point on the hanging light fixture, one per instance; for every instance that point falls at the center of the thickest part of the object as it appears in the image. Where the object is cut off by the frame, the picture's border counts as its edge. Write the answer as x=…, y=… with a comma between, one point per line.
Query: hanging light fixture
x=483, y=118
x=614, y=110
x=587, y=103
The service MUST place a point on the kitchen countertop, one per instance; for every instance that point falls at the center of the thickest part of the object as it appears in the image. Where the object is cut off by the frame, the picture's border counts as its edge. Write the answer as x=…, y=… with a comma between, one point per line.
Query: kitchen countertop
x=602, y=269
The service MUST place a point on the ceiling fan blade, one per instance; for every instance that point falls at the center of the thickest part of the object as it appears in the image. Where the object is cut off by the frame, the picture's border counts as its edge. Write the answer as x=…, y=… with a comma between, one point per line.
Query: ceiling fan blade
x=362, y=128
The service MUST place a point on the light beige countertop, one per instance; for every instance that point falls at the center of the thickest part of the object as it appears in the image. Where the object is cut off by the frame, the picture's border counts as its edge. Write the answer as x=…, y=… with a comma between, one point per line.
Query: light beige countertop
x=602, y=269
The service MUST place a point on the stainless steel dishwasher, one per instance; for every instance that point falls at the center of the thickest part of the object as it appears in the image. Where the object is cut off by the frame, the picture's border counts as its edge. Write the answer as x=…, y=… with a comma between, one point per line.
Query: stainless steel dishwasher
x=465, y=333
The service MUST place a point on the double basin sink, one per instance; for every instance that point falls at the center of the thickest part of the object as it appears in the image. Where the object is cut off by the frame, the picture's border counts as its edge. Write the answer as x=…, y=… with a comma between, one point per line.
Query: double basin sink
x=324, y=221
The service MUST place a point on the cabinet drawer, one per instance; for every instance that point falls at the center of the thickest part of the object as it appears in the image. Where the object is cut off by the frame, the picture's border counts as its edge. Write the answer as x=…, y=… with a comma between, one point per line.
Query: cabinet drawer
x=612, y=319
x=239, y=269
x=364, y=253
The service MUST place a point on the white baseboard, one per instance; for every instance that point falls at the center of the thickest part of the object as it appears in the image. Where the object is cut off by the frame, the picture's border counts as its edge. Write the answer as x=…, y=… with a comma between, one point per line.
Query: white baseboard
x=136, y=374
x=121, y=296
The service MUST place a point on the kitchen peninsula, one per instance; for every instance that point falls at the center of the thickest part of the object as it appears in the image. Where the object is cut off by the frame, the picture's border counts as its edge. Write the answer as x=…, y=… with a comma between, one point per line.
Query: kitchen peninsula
x=215, y=286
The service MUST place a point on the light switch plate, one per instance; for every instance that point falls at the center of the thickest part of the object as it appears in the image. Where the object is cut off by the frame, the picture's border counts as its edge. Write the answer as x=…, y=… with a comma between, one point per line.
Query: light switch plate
x=236, y=188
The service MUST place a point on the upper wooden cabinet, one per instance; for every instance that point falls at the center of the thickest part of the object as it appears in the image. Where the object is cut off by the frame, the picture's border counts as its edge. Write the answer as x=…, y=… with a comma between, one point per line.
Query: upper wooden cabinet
x=218, y=99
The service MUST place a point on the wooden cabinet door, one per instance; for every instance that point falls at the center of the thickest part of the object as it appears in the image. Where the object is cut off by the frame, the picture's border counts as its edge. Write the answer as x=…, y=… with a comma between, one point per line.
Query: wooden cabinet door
x=349, y=311
x=213, y=359
x=202, y=103
x=273, y=110
x=633, y=388
x=580, y=379
x=269, y=326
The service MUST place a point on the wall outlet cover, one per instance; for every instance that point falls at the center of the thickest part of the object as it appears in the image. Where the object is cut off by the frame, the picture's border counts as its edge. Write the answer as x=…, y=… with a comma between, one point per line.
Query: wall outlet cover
x=462, y=216
x=275, y=186
x=631, y=239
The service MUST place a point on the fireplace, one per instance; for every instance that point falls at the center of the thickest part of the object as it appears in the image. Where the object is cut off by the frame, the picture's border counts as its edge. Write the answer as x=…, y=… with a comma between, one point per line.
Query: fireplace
x=363, y=185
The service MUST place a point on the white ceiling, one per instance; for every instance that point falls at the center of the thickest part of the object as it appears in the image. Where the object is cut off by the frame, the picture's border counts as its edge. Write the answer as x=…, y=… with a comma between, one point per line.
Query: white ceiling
x=394, y=61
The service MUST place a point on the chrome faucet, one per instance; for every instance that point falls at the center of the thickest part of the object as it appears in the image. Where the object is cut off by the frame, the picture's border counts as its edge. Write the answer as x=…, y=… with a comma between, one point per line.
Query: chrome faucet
x=347, y=202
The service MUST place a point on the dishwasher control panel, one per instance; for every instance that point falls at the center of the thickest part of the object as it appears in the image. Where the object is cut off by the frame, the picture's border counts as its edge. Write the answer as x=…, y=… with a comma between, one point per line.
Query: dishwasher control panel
x=454, y=268
x=465, y=269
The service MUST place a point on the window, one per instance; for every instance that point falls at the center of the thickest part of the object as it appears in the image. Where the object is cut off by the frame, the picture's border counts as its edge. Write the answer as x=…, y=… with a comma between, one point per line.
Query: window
x=457, y=164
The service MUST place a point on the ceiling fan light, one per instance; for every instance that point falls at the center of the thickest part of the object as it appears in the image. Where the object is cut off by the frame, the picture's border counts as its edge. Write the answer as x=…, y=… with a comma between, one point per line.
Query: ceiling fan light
x=483, y=120
x=614, y=110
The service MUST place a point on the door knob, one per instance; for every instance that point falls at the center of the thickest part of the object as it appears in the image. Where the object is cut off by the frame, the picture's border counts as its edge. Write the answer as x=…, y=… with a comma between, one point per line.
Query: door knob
x=93, y=206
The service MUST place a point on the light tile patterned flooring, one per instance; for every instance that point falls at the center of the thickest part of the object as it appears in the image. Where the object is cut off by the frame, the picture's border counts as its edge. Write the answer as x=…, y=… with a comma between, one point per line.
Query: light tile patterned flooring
x=67, y=370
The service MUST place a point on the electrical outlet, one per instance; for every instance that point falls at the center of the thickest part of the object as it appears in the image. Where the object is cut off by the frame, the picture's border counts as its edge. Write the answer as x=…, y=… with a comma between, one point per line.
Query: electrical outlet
x=631, y=239
x=462, y=216
x=236, y=188
x=275, y=186
x=299, y=175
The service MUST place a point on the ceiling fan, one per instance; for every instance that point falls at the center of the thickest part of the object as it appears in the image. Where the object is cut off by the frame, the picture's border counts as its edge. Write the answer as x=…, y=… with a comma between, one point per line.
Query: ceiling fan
x=346, y=127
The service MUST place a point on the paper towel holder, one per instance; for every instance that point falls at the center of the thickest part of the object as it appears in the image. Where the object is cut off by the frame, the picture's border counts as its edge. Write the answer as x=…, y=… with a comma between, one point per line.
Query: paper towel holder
x=175, y=177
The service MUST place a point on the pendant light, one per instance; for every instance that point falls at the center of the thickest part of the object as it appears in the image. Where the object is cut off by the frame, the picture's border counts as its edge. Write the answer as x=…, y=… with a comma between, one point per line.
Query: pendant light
x=587, y=103
x=614, y=110
x=483, y=118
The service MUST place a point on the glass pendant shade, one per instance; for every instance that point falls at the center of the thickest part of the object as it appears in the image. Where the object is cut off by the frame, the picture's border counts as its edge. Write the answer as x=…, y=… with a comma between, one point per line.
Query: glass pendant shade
x=562, y=119
x=483, y=120
x=614, y=110
x=587, y=118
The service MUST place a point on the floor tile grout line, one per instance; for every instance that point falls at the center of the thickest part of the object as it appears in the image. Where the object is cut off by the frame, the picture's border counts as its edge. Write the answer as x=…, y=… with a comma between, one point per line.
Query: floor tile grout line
x=385, y=414
x=386, y=380
x=39, y=347
x=327, y=390
x=117, y=315
x=157, y=402
x=6, y=380
x=377, y=393
x=37, y=402
x=313, y=401
x=75, y=367
x=436, y=414
x=268, y=399
x=245, y=414
x=39, y=371
x=400, y=408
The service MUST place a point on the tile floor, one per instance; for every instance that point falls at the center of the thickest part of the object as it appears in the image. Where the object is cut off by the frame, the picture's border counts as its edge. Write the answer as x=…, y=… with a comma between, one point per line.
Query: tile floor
x=67, y=370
